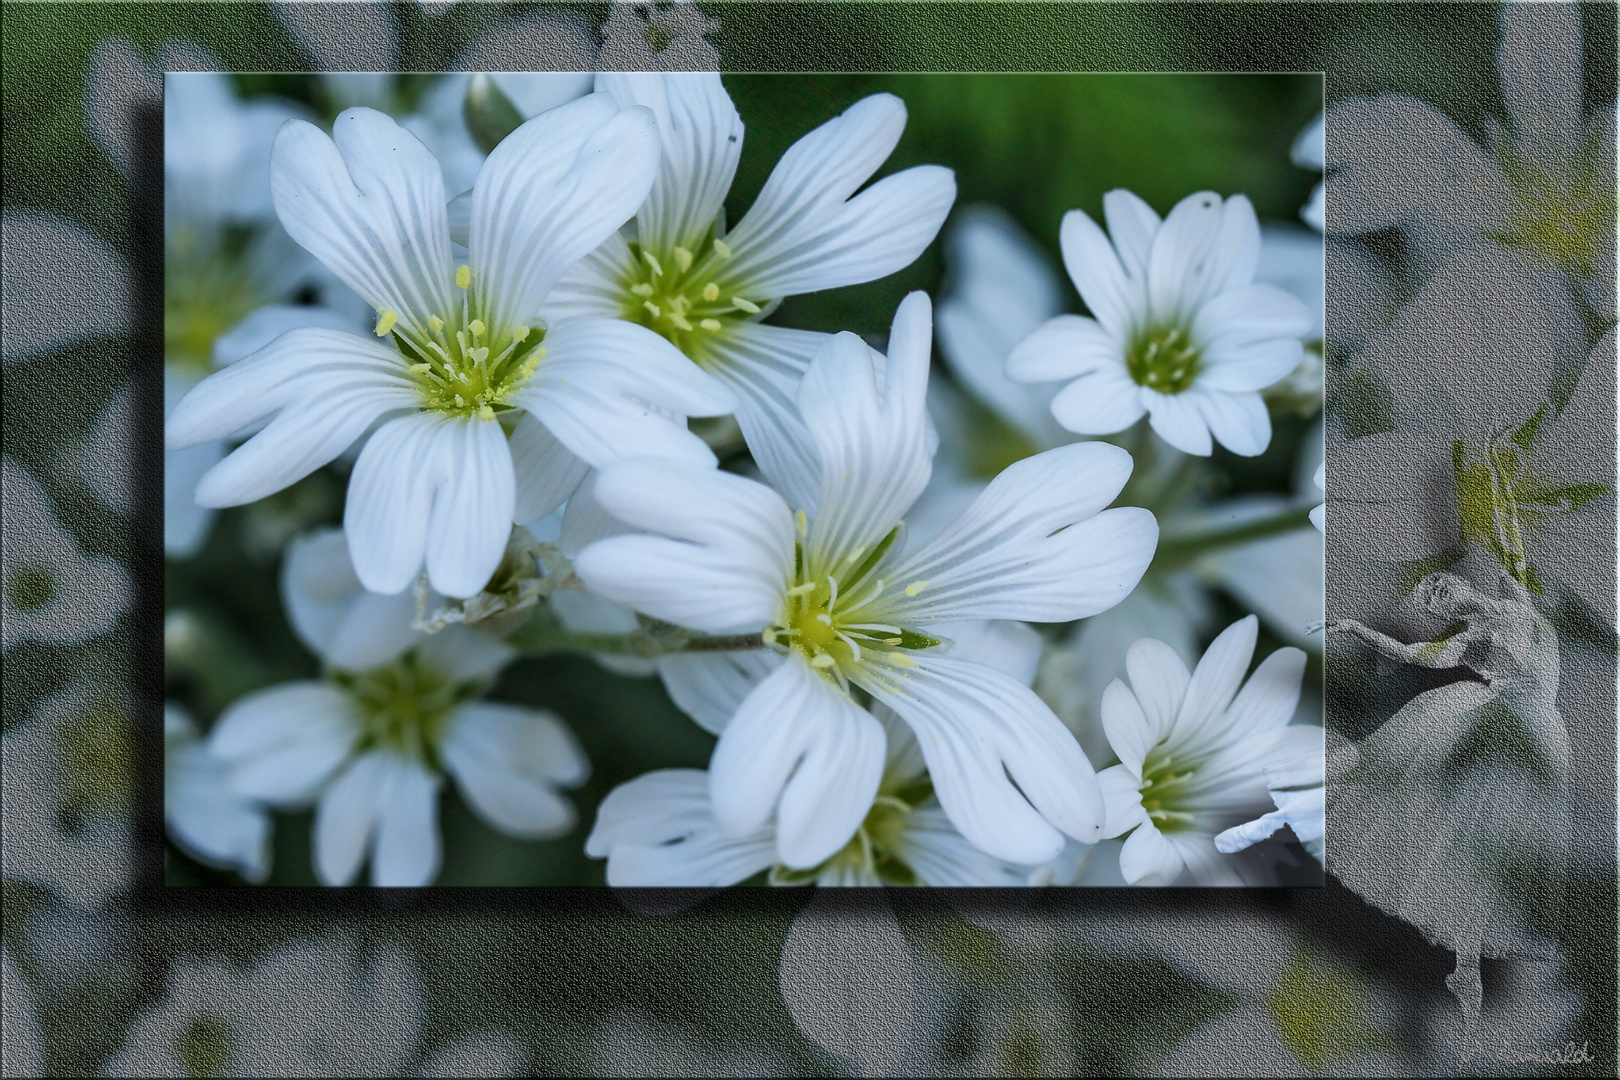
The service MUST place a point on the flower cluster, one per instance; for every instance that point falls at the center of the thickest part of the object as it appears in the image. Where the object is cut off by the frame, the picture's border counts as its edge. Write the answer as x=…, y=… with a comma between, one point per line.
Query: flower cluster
x=532, y=417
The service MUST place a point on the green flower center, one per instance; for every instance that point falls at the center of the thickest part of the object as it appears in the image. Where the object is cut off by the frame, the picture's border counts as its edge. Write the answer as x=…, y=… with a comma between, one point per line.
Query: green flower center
x=1500, y=502
x=1322, y=1013
x=204, y=1048
x=1167, y=787
x=30, y=587
x=204, y=295
x=685, y=297
x=466, y=363
x=876, y=847
x=1562, y=219
x=403, y=706
x=1163, y=358
x=837, y=618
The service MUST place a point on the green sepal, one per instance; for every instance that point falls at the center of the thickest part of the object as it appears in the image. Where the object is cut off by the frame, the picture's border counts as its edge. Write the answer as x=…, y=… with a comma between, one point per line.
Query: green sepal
x=489, y=113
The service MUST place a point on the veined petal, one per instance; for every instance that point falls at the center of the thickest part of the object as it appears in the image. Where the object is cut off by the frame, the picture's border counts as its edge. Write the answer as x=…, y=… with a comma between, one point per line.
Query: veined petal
x=1251, y=367
x=344, y=820
x=1115, y=300
x=1122, y=800
x=700, y=137
x=1237, y=251
x=1132, y=224
x=1177, y=420
x=981, y=732
x=1216, y=679
x=1033, y=545
x=1063, y=348
x=261, y=327
x=869, y=427
x=709, y=687
x=1013, y=648
x=1099, y=402
x=551, y=192
x=430, y=487
x=333, y=614
x=1129, y=731
x=657, y=830
x=592, y=288
x=1250, y=313
x=801, y=234
x=943, y=858
x=1148, y=858
x=299, y=364
x=1239, y=422
x=1159, y=680
x=508, y=761
x=609, y=389
x=725, y=556
x=284, y=742
x=1183, y=253
x=798, y=741
x=407, y=815
x=763, y=366
x=1267, y=702
x=368, y=202
x=547, y=473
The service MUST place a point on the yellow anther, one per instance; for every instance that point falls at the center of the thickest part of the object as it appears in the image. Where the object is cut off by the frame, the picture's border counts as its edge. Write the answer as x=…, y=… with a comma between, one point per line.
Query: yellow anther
x=386, y=318
x=801, y=522
x=477, y=327
x=463, y=276
x=745, y=305
x=768, y=635
x=683, y=259
x=800, y=590
x=652, y=307
x=460, y=404
x=679, y=320
x=539, y=354
x=485, y=412
x=722, y=250
x=710, y=325
x=916, y=587
x=645, y=289
x=657, y=269
x=892, y=640
x=823, y=661
x=420, y=368
x=711, y=292
x=520, y=334
x=435, y=323
x=480, y=354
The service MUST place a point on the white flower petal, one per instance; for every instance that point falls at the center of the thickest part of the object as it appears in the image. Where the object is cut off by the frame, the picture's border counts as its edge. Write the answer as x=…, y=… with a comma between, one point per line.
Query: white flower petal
x=1063, y=348
x=1176, y=420
x=343, y=821
x=333, y=614
x=1099, y=402
x=1238, y=422
x=1267, y=702
x=1540, y=64
x=302, y=366
x=709, y=687
x=1094, y=267
x=1183, y=255
x=1250, y=367
x=1219, y=673
x=551, y=192
x=1013, y=648
x=1249, y=833
x=1033, y=545
x=264, y=325
x=1132, y=224
x=1236, y=253
x=801, y=235
x=981, y=732
x=700, y=137
x=763, y=366
x=186, y=524
x=800, y=748
x=547, y=472
x=508, y=760
x=209, y=821
x=608, y=388
x=1122, y=799
x=1159, y=680
x=433, y=487
x=64, y=285
x=284, y=742
x=657, y=830
x=1148, y=858
x=1308, y=151
x=1246, y=315
x=869, y=427
x=368, y=202
x=943, y=858
x=1130, y=733
x=592, y=288
x=724, y=560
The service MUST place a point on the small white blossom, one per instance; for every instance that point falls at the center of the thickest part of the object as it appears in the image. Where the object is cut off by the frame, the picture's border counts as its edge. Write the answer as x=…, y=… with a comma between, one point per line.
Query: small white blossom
x=1194, y=749
x=205, y=818
x=1179, y=328
x=497, y=409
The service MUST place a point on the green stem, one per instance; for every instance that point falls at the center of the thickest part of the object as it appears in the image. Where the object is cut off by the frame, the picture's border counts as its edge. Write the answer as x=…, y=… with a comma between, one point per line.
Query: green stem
x=1177, y=550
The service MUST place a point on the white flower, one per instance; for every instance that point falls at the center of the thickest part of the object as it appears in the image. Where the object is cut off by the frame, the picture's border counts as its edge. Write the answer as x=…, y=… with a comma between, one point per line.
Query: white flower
x=1317, y=514
x=53, y=592
x=64, y=285
x=371, y=743
x=1193, y=751
x=831, y=589
x=205, y=818
x=1180, y=330
x=311, y=1007
x=649, y=36
x=464, y=358
x=1310, y=153
x=706, y=289
x=1296, y=786
x=441, y=122
x=1543, y=185
x=659, y=829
